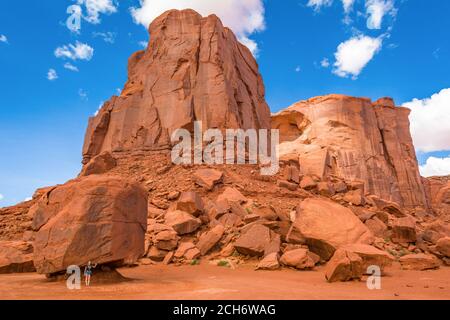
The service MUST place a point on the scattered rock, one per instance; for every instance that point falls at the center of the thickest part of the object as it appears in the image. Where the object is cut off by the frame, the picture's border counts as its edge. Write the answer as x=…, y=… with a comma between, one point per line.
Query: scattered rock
x=209, y=239
x=377, y=227
x=419, y=262
x=166, y=240
x=208, y=178
x=344, y=266
x=102, y=163
x=270, y=262
x=232, y=195
x=182, y=222
x=404, y=230
x=443, y=246
x=190, y=202
x=255, y=240
x=308, y=183
x=287, y=185
x=156, y=254
x=355, y=197
x=326, y=189
x=299, y=259
x=370, y=256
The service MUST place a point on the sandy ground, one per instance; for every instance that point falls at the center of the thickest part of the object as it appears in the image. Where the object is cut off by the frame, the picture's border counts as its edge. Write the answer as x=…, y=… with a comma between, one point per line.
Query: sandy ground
x=243, y=283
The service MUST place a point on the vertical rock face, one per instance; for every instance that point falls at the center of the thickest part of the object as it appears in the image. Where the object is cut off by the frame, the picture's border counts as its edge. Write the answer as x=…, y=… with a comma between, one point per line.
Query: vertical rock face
x=193, y=69
x=438, y=194
x=356, y=140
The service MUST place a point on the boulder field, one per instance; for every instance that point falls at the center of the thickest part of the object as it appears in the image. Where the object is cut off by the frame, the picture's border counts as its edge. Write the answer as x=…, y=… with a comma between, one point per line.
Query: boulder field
x=348, y=194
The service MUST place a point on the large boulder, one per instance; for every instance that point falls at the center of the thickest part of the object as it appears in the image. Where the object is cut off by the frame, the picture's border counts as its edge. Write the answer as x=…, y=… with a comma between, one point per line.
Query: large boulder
x=326, y=225
x=419, y=262
x=102, y=219
x=16, y=257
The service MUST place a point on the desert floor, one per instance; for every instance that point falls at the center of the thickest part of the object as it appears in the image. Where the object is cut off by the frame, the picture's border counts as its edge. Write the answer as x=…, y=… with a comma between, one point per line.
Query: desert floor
x=213, y=282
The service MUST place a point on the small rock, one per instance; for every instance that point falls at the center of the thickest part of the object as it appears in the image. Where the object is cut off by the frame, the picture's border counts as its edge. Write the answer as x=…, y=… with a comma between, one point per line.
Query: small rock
x=308, y=183
x=298, y=259
x=208, y=178
x=209, y=239
x=190, y=202
x=182, y=222
x=270, y=262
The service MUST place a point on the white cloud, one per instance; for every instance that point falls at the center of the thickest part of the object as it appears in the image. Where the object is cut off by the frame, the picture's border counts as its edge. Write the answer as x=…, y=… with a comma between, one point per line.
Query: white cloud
x=1, y=197
x=52, y=75
x=108, y=37
x=317, y=4
x=376, y=10
x=435, y=167
x=325, y=63
x=3, y=38
x=96, y=7
x=298, y=69
x=430, y=122
x=348, y=5
x=243, y=17
x=28, y=199
x=354, y=54
x=79, y=51
x=70, y=67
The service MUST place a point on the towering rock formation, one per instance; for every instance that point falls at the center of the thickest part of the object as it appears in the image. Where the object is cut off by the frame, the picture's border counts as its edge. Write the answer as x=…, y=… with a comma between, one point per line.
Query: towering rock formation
x=355, y=139
x=193, y=69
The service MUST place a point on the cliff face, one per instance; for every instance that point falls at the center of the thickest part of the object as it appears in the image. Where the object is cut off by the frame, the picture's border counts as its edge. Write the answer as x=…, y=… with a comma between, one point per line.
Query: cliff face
x=193, y=69
x=355, y=139
x=438, y=194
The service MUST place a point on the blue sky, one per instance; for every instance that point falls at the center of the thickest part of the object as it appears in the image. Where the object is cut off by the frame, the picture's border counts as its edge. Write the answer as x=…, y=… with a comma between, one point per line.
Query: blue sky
x=45, y=106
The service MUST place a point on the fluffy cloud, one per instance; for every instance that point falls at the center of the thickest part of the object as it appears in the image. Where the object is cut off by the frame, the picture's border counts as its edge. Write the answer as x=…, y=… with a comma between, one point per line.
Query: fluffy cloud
x=348, y=5
x=243, y=17
x=376, y=10
x=3, y=38
x=430, y=122
x=96, y=7
x=1, y=197
x=70, y=67
x=435, y=167
x=354, y=54
x=79, y=51
x=325, y=63
x=52, y=75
